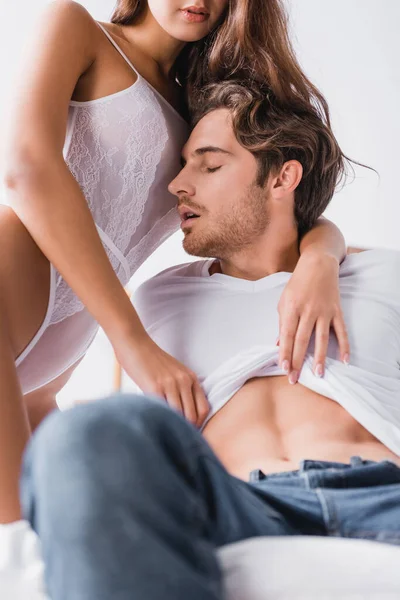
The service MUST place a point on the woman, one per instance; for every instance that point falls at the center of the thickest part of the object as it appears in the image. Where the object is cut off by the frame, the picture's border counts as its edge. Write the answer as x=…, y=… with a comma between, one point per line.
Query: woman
x=94, y=141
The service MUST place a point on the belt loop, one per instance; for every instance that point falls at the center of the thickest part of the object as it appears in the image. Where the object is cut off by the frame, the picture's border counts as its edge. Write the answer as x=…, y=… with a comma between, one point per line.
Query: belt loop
x=303, y=465
x=356, y=461
x=256, y=475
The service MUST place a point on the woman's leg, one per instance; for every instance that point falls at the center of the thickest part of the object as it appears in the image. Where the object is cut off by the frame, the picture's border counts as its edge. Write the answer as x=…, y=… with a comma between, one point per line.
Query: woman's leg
x=39, y=404
x=14, y=429
x=24, y=283
x=130, y=502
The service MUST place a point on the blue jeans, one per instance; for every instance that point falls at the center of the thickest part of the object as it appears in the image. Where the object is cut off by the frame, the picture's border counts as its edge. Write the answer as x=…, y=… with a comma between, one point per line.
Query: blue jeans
x=130, y=502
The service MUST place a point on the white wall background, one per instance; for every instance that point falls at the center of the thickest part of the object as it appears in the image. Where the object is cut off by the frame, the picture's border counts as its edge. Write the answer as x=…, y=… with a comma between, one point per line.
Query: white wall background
x=351, y=50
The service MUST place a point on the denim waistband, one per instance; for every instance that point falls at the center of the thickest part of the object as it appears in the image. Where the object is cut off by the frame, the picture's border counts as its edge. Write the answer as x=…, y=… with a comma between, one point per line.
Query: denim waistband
x=307, y=465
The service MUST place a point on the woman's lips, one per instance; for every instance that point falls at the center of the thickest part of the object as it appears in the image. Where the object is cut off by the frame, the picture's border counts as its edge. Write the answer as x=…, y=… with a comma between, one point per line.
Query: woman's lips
x=192, y=17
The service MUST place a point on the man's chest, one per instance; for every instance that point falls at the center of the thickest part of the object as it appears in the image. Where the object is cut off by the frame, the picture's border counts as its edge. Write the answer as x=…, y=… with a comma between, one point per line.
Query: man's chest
x=207, y=333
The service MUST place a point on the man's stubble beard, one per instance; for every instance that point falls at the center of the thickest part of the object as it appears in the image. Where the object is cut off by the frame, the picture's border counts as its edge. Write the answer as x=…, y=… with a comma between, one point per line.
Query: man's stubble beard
x=235, y=231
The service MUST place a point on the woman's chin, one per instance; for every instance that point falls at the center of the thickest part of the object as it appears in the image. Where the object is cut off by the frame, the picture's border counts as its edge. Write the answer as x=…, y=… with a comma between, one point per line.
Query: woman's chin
x=187, y=33
x=189, y=37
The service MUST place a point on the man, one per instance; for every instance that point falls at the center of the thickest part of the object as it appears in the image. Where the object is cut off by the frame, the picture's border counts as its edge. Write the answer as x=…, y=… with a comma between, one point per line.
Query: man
x=133, y=500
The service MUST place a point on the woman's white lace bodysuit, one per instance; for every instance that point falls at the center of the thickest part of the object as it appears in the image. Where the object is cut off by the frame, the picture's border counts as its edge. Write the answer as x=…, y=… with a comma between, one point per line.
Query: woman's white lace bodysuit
x=123, y=150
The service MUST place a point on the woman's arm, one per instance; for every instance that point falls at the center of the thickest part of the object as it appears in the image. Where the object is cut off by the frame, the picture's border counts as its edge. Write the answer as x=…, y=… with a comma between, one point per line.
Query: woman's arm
x=39, y=186
x=49, y=202
x=311, y=301
x=324, y=240
x=353, y=250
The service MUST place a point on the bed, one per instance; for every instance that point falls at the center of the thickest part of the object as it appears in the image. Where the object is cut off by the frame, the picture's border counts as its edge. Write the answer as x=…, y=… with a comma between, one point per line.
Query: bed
x=265, y=568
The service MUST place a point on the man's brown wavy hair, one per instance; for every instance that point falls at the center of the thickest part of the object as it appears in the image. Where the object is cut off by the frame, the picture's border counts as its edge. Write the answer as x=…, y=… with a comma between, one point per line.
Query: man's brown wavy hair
x=275, y=134
x=251, y=43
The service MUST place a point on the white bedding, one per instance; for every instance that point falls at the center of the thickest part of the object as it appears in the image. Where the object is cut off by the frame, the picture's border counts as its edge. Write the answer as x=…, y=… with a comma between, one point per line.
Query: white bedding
x=311, y=568
x=267, y=568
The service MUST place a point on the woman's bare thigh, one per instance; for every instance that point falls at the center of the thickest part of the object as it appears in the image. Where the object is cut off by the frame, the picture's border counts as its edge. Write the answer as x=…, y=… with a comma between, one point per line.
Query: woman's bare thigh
x=24, y=281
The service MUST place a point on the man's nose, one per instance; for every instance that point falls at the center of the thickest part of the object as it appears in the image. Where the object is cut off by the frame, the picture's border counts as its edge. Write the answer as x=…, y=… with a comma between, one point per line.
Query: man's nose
x=181, y=185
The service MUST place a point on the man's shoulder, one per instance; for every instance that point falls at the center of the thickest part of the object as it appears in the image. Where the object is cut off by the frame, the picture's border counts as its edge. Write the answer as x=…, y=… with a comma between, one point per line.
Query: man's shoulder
x=379, y=268
x=177, y=273
x=384, y=258
x=163, y=293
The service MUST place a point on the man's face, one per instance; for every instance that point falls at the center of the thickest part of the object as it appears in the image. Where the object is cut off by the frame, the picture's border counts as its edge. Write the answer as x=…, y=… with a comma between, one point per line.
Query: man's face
x=218, y=183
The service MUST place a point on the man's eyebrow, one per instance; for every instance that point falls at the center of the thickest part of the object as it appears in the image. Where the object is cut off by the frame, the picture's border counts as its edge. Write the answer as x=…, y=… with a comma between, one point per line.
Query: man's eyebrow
x=205, y=150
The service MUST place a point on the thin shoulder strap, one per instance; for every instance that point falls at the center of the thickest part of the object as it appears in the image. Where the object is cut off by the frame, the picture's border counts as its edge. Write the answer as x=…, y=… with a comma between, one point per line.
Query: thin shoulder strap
x=114, y=43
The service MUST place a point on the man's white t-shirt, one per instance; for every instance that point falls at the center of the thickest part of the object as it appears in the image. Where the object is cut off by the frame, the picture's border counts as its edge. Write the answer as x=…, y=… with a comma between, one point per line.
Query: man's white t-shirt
x=225, y=330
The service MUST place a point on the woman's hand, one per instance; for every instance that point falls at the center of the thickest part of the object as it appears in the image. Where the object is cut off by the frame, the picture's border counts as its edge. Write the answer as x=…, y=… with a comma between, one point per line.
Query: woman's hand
x=311, y=300
x=158, y=373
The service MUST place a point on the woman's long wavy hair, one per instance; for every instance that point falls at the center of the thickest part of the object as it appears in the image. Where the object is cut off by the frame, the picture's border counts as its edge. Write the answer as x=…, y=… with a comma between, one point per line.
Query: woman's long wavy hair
x=251, y=43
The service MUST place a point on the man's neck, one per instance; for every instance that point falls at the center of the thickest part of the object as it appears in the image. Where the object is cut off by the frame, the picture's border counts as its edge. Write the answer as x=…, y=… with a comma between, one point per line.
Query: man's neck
x=277, y=252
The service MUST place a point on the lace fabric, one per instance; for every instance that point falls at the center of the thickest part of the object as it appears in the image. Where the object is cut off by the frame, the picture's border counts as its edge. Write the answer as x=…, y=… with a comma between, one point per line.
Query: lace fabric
x=114, y=153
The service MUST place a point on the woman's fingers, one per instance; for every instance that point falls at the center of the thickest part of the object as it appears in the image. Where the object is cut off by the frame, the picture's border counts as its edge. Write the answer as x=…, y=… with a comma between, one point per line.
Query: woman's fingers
x=288, y=328
x=156, y=372
x=321, y=346
x=301, y=342
x=341, y=333
x=187, y=396
x=295, y=352
x=172, y=395
x=188, y=400
x=202, y=404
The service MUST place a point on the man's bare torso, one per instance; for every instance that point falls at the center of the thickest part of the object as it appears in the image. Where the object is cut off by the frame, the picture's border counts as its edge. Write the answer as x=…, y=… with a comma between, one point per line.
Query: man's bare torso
x=272, y=425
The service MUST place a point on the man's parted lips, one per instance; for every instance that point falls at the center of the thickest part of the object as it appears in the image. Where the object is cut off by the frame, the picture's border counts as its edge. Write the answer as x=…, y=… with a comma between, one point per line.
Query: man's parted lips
x=187, y=213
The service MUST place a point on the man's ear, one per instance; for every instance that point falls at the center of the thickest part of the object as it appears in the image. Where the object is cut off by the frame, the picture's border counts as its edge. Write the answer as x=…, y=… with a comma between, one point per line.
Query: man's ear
x=287, y=179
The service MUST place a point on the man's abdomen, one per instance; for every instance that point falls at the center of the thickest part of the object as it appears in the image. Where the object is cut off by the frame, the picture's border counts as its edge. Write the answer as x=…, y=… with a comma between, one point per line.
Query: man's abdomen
x=272, y=425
